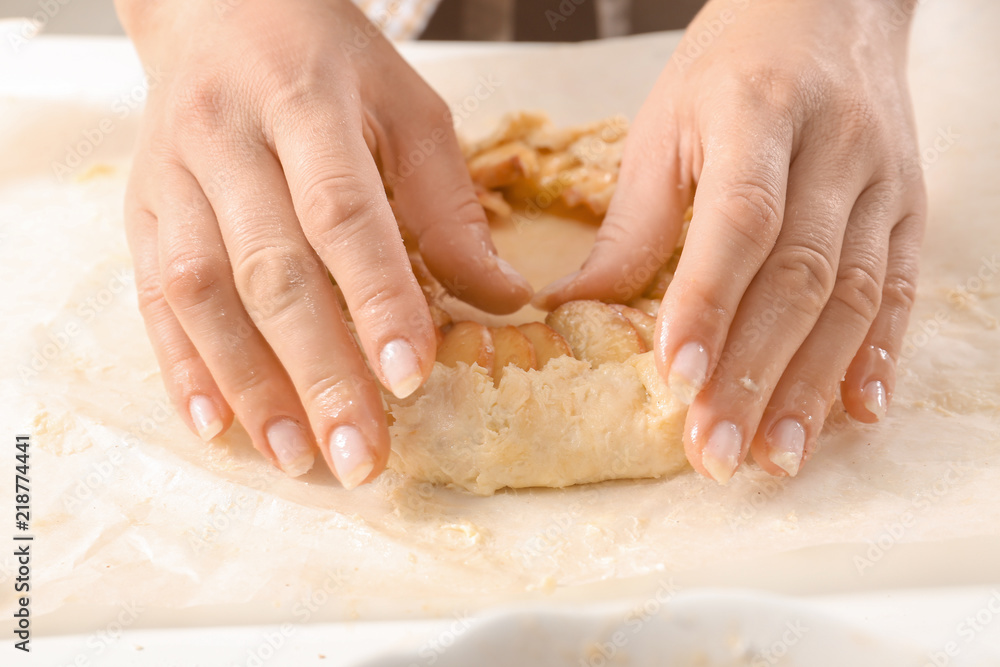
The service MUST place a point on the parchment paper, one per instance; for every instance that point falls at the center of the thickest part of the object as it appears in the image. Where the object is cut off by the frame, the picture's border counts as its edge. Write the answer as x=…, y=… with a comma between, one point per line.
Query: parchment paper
x=130, y=506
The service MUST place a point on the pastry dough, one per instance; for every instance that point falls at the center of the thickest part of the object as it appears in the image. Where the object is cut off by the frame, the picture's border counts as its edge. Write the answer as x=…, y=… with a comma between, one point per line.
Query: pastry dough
x=564, y=424
x=576, y=400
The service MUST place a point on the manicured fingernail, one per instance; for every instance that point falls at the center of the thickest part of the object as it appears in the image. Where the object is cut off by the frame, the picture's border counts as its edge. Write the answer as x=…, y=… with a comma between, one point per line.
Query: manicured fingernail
x=513, y=275
x=290, y=446
x=205, y=416
x=353, y=459
x=721, y=454
x=785, y=445
x=400, y=367
x=542, y=296
x=688, y=372
x=875, y=398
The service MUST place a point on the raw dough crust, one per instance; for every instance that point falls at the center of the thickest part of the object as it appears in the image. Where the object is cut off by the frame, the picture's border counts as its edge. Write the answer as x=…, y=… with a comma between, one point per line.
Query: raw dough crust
x=560, y=425
x=569, y=422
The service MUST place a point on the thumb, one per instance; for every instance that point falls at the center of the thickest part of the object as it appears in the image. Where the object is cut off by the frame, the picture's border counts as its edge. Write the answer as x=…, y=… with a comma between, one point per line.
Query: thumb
x=437, y=203
x=640, y=231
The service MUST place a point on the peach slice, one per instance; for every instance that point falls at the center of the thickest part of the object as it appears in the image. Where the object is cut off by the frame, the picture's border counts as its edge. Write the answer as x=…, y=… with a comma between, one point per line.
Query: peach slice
x=596, y=332
x=547, y=343
x=469, y=342
x=648, y=306
x=503, y=165
x=644, y=323
x=661, y=281
x=511, y=348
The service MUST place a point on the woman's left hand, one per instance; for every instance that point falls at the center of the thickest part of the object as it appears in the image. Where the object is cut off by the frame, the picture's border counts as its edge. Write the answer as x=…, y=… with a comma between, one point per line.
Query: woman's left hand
x=794, y=119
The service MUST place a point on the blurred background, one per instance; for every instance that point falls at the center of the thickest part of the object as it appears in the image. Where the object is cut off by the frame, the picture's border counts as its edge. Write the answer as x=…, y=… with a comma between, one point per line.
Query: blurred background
x=97, y=17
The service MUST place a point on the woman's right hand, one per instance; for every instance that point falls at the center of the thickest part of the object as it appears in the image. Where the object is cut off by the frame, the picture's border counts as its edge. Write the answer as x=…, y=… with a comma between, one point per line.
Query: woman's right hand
x=257, y=171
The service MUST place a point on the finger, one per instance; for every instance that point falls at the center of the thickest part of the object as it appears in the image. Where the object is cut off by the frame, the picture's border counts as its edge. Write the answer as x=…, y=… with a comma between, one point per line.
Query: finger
x=188, y=382
x=198, y=284
x=640, y=231
x=738, y=211
x=871, y=377
x=437, y=203
x=776, y=314
x=807, y=389
x=339, y=199
x=285, y=289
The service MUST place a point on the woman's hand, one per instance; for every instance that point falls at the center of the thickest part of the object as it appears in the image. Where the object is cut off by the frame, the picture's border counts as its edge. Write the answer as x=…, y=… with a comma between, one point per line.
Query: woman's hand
x=257, y=171
x=798, y=273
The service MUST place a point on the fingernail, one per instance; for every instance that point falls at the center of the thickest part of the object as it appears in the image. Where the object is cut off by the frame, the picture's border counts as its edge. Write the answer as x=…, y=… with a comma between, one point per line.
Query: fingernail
x=721, y=454
x=542, y=296
x=513, y=275
x=875, y=398
x=290, y=446
x=785, y=445
x=688, y=372
x=205, y=416
x=352, y=457
x=400, y=367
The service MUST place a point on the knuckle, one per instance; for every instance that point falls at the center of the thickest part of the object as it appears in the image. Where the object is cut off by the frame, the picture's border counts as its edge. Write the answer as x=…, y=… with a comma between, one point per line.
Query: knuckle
x=803, y=278
x=248, y=384
x=149, y=294
x=375, y=301
x=809, y=397
x=330, y=396
x=901, y=291
x=466, y=214
x=768, y=85
x=292, y=90
x=468, y=210
x=271, y=280
x=335, y=207
x=860, y=130
x=191, y=280
x=702, y=304
x=202, y=101
x=752, y=210
x=860, y=291
x=440, y=231
x=862, y=112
